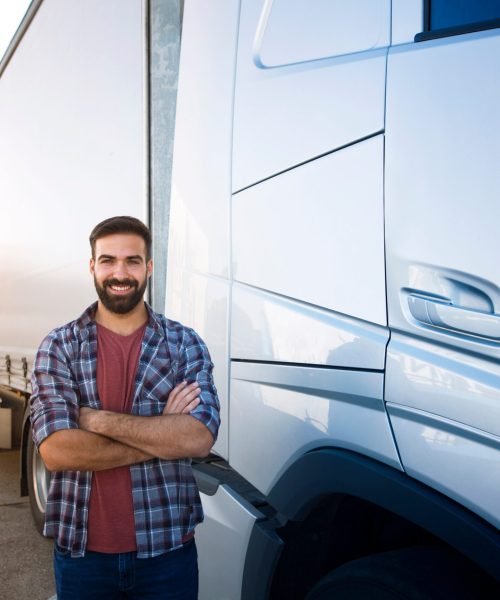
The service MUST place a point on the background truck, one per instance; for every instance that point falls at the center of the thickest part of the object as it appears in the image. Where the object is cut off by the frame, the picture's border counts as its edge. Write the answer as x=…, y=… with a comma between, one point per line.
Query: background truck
x=322, y=182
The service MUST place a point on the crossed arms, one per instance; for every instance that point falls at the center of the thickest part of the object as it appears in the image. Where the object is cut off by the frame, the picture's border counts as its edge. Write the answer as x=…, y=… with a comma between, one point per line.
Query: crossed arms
x=106, y=439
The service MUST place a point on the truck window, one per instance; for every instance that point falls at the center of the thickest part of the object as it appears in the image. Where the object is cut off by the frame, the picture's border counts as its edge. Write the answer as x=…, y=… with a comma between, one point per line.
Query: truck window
x=301, y=31
x=452, y=17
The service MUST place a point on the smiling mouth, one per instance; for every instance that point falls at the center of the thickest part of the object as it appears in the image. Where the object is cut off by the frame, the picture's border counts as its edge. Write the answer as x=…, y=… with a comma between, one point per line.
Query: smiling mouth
x=120, y=287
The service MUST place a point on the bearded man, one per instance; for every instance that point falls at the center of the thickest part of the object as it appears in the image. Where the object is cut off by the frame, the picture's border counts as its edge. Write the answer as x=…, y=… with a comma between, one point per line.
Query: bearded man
x=122, y=399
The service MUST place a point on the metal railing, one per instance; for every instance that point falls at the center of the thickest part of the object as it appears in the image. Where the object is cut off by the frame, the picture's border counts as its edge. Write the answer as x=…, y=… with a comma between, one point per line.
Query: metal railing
x=15, y=372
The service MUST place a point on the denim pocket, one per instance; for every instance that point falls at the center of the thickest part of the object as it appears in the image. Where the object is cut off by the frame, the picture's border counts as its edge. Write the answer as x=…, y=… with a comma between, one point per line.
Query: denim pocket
x=61, y=551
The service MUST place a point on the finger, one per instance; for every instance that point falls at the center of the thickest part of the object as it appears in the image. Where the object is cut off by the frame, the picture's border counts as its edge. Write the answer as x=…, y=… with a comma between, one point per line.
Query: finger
x=184, y=396
x=173, y=397
x=191, y=406
x=188, y=388
x=188, y=395
x=176, y=390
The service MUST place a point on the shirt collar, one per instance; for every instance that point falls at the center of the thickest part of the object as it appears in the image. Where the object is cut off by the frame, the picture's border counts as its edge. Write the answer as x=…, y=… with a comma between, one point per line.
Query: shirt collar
x=87, y=318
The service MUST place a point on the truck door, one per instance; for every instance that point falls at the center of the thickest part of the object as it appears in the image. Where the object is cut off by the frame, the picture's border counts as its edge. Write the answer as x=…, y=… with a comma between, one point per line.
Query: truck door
x=442, y=213
x=308, y=323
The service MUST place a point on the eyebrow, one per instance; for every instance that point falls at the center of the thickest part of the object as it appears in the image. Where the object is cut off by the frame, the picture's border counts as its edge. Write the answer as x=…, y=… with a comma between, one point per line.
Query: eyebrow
x=133, y=256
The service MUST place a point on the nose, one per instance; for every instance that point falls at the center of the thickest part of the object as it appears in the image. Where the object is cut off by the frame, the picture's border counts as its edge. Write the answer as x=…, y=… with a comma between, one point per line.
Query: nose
x=121, y=271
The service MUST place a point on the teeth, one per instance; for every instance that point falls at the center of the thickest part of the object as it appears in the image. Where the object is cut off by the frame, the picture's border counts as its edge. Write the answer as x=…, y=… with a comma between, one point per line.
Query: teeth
x=120, y=288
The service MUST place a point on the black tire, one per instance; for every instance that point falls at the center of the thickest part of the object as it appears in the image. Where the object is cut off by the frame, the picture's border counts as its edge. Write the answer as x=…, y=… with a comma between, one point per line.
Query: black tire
x=417, y=573
x=38, y=484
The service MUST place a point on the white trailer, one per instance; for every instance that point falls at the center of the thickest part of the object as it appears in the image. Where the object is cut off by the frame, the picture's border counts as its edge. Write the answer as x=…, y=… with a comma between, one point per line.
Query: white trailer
x=325, y=215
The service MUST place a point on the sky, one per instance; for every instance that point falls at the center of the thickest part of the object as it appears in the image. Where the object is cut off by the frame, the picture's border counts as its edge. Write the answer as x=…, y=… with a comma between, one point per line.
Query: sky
x=11, y=14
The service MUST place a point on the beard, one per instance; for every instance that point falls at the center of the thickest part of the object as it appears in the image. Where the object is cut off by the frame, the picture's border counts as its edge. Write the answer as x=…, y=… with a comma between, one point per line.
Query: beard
x=120, y=305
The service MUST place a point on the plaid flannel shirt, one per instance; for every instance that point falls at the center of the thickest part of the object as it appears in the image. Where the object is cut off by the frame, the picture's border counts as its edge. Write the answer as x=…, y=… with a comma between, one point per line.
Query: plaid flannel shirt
x=166, y=501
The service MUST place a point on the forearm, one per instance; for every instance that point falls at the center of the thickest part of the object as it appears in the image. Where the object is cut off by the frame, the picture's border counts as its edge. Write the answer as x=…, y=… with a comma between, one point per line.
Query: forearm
x=79, y=450
x=167, y=436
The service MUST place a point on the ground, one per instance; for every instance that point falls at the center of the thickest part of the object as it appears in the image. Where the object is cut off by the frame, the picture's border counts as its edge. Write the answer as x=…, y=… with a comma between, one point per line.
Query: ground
x=25, y=556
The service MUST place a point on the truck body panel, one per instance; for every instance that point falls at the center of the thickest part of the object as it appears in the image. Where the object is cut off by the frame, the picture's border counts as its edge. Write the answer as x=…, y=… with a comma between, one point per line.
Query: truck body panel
x=292, y=113
x=269, y=327
x=238, y=518
x=441, y=209
x=306, y=219
x=199, y=265
x=296, y=409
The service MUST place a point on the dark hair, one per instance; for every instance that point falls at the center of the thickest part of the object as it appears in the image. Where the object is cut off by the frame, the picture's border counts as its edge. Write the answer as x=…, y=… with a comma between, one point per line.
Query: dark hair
x=121, y=225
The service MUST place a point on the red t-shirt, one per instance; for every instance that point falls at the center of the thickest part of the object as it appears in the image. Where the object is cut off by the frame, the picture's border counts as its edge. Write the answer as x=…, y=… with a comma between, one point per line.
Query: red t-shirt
x=111, y=526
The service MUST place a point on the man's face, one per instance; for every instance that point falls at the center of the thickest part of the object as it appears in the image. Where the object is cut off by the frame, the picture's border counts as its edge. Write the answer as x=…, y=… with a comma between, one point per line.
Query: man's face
x=120, y=271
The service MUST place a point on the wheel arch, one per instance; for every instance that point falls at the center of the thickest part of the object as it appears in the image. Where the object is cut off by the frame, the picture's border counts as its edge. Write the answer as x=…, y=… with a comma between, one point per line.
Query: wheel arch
x=330, y=472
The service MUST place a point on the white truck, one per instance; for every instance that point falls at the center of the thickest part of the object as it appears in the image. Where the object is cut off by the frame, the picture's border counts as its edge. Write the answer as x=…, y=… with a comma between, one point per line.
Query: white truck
x=322, y=180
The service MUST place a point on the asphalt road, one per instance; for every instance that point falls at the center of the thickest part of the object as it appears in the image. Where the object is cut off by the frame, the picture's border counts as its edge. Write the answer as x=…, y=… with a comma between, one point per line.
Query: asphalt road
x=25, y=556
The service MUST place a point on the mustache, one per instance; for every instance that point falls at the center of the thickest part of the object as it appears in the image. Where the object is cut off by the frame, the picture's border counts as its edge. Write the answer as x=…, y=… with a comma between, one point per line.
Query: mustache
x=130, y=282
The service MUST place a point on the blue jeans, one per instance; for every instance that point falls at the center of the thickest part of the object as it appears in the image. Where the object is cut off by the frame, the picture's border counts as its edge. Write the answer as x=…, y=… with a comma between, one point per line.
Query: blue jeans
x=170, y=576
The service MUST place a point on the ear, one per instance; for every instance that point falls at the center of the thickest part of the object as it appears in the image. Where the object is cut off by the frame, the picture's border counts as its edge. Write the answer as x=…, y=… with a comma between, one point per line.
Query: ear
x=91, y=266
x=149, y=267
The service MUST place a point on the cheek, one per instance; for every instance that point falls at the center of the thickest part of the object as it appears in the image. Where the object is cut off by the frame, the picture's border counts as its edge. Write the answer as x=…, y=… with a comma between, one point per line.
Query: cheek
x=101, y=273
x=139, y=274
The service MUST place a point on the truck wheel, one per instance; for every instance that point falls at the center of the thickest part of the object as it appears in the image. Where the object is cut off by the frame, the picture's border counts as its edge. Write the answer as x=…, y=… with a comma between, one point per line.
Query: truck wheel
x=38, y=484
x=417, y=573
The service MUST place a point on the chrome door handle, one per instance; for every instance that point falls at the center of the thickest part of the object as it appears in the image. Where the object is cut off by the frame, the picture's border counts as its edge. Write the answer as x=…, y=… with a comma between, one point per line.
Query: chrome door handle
x=445, y=315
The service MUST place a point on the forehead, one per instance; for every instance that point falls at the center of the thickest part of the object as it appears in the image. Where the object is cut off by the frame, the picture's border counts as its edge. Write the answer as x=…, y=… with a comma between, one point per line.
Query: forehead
x=120, y=245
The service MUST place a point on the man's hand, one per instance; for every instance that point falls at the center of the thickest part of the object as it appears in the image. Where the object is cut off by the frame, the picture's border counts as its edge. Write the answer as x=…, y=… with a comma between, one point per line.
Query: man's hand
x=182, y=399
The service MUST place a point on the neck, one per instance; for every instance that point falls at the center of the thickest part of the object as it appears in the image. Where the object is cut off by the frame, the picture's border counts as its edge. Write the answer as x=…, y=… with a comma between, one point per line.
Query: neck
x=122, y=324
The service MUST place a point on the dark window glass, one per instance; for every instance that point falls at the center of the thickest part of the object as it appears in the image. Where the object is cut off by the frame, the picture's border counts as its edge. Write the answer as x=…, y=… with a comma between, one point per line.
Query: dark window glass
x=460, y=13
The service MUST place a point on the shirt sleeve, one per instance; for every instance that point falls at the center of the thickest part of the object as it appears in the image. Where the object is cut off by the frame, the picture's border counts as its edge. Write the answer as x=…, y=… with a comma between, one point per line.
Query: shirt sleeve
x=196, y=365
x=54, y=401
